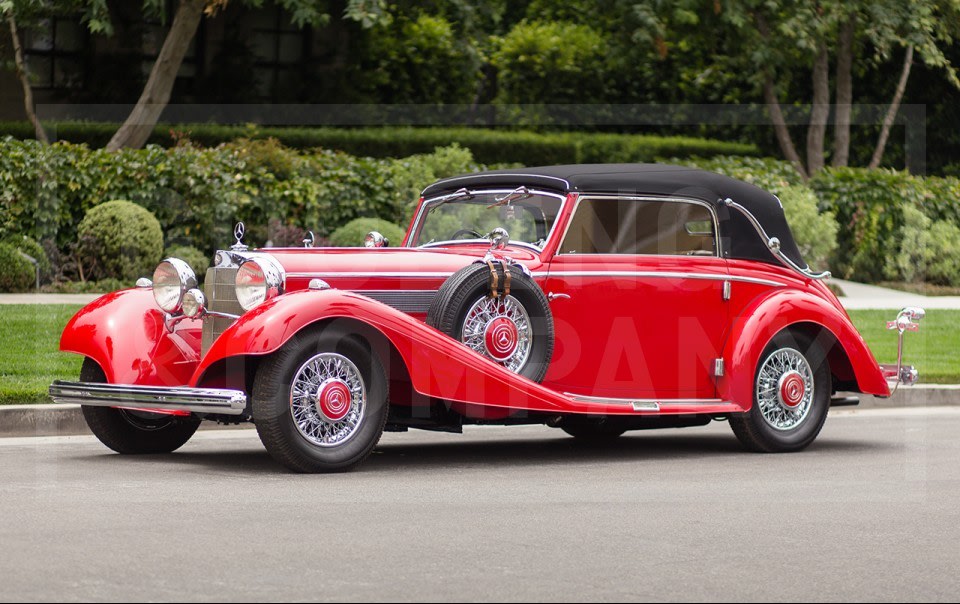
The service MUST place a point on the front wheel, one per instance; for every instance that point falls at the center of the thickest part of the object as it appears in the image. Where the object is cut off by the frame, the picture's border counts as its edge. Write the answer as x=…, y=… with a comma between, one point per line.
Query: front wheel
x=320, y=402
x=134, y=432
x=791, y=397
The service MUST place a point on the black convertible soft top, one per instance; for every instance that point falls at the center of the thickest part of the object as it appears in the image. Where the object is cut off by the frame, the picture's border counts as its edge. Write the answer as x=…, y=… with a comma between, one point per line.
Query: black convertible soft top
x=739, y=238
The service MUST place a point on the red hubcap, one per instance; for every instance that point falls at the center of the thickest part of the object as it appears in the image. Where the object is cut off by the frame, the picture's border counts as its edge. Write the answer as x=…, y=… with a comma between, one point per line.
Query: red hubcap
x=500, y=338
x=333, y=400
x=792, y=389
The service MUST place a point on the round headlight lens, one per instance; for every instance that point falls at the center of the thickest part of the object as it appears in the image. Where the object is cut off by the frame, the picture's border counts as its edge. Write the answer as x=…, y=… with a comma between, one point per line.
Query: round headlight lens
x=251, y=285
x=171, y=281
x=258, y=280
x=193, y=303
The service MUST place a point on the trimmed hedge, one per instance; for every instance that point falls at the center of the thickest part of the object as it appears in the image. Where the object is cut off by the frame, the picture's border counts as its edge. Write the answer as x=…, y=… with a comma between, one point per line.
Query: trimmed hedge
x=869, y=206
x=33, y=249
x=16, y=272
x=119, y=240
x=487, y=145
x=198, y=260
x=353, y=233
x=198, y=194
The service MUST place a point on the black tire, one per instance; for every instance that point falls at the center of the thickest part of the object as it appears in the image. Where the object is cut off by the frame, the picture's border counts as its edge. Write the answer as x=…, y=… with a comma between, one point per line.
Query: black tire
x=132, y=432
x=464, y=288
x=757, y=433
x=592, y=431
x=272, y=403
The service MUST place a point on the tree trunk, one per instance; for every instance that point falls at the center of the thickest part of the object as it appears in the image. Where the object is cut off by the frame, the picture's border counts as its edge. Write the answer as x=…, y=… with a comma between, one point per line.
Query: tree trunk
x=780, y=126
x=892, y=111
x=156, y=94
x=773, y=106
x=841, y=140
x=820, y=112
x=24, y=75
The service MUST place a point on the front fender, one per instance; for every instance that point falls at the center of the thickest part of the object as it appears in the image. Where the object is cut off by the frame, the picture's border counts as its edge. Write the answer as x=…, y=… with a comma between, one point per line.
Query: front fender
x=124, y=332
x=771, y=314
x=438, y=366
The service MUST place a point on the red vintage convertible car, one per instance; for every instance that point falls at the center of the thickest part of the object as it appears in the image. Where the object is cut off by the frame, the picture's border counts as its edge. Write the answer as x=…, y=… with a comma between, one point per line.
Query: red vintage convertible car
x=592, y=298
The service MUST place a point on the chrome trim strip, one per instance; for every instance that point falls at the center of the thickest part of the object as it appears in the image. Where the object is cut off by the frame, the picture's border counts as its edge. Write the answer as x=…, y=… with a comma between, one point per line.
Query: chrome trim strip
x=661, y=275
x=646, y=401
x=435, y=244
x=357, y=275
x=773, y=244
x=582, y=197
x=161, y=398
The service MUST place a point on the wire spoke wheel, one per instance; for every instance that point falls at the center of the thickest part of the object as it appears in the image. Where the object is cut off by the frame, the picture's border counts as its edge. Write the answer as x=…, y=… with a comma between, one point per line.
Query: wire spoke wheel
x=327, y=399
x=500, y=329
x=785, y=389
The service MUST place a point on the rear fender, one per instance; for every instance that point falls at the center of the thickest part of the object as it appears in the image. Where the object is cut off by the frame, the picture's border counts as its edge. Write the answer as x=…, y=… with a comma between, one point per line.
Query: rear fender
x=125, y=333
x=780, y=310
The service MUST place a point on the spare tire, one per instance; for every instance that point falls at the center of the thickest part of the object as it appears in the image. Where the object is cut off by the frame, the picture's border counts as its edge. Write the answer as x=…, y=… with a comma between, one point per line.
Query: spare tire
x=514, y=327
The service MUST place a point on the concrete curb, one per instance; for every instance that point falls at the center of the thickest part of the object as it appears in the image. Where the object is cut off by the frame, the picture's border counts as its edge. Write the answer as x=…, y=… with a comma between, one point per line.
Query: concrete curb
x=67, y=420
x=57, y=420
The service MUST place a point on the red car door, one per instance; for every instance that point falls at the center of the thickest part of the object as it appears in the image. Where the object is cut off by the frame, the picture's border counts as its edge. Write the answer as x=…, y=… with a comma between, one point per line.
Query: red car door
x=637, y=291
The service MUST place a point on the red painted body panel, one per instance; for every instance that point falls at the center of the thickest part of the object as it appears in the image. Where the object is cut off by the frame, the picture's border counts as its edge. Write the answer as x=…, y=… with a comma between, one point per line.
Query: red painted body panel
x=124, y=333
x=438, y=365
x=656, y=325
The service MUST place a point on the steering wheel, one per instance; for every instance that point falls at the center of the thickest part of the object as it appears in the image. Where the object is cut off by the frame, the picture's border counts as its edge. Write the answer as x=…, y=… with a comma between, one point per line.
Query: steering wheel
x=475, y=234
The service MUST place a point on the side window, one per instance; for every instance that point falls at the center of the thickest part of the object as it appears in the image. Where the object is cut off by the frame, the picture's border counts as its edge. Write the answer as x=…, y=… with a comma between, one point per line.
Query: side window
x=630, y=226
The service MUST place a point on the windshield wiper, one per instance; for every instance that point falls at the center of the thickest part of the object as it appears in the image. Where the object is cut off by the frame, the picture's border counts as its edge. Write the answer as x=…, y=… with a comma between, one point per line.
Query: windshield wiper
x=517, y=194
x=458, y=194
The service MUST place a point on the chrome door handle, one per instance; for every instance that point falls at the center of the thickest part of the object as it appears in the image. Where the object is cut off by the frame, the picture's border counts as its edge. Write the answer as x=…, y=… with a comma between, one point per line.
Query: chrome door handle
x=552, y=296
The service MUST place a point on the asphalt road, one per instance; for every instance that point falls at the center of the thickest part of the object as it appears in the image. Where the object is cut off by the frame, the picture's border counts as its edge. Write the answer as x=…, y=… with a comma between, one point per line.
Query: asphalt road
x=869, y=512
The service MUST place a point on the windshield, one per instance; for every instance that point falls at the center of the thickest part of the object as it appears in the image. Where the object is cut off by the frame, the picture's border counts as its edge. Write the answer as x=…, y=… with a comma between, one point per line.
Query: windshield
x=528, y=219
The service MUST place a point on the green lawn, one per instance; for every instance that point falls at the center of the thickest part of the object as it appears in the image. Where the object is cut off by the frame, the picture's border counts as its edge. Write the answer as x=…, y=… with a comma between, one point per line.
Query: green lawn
x=29, y=337
x=934, y=350
x=29, y=355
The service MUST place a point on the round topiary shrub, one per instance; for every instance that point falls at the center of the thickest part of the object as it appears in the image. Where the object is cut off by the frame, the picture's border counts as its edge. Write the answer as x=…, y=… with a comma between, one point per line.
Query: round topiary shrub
x=120, y=240
x=197, y=260
x=352, y=233
x=33, y=249
x=16, y=272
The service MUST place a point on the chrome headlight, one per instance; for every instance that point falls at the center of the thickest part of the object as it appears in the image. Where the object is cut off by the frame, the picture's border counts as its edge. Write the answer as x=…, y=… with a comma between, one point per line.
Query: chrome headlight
x=258, y=280
x=171, y=281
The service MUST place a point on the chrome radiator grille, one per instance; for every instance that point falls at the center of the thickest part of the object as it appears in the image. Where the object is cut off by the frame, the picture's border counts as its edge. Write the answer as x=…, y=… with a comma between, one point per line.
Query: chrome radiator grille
x=220, y=289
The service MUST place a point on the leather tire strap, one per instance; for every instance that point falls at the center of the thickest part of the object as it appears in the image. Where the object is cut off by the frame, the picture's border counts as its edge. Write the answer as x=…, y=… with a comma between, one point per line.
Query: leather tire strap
x=494, y=279
x=507, y=277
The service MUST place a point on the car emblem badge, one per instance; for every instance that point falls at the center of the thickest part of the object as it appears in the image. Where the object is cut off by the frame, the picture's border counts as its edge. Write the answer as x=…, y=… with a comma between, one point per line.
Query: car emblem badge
x=238, y=232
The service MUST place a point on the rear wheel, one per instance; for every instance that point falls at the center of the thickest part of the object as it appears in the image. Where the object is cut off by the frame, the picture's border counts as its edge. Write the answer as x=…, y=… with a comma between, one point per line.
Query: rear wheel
x=134, y=432
x=791, y=397
x=320, y=402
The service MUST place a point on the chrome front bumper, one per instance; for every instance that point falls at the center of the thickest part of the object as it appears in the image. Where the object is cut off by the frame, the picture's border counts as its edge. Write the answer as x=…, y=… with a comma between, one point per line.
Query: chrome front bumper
x=151, y=398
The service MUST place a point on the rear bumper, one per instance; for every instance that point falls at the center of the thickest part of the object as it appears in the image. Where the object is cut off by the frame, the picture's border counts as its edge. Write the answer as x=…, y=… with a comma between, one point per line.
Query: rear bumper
x=908, y=376
x=151, y=398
